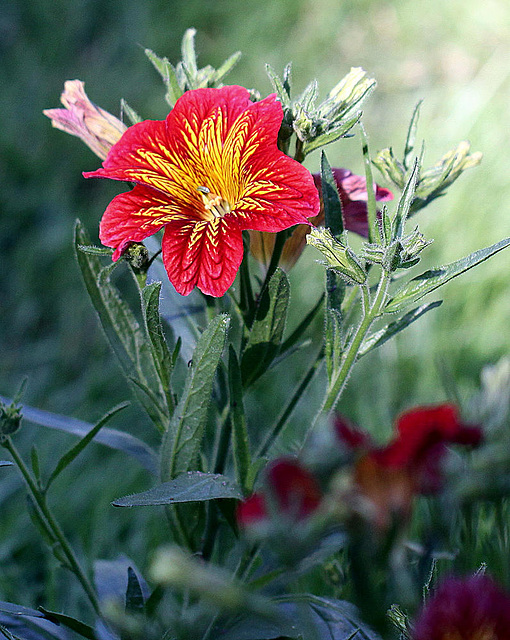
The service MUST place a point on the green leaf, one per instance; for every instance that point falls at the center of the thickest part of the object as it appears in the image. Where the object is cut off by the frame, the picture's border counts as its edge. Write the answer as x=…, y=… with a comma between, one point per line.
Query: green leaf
x=133, y=117
x=75, y=625
x=112, y=438
x=169, y=74
x=405, y=202
x=382, y=336
x=40, y=523
x=411, y=136
x=162, y=357
x=18, y=610
x=73, y=453
x=331, y=135
x=189, y=56
x=226, y=67
x=335, y=292
x=434, y=278
x=122, y=330
x=192, y=486
x=281, y=91
x=333, y=216
x=267, y=330
x=182, y=440
x=374, y=234
x=135, y=602
x=240, y=440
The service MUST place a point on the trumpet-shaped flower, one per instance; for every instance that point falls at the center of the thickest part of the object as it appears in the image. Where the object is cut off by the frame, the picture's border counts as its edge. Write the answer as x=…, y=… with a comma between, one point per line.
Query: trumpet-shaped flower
x=208, y=172
x=98, y=129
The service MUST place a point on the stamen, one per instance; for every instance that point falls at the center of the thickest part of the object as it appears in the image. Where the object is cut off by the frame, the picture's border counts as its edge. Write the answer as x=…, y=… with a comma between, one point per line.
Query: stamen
x=214, y=203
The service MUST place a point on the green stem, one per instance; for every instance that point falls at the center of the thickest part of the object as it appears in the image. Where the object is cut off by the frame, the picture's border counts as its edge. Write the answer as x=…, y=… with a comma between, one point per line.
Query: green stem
x=284, y=416
x=40, y=500
x=370, y=312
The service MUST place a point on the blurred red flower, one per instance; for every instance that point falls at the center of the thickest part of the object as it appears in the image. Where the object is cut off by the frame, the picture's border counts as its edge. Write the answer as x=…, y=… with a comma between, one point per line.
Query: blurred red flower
x=390, y=476
x=473, y=608
x=209, y=171
x=289, y=490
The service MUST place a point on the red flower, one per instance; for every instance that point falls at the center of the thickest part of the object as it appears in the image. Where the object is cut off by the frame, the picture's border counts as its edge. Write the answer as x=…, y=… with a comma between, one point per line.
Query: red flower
x=290, y=490
x=474, y=608
x=390, y=476
x=209, y=171
x=353, y=196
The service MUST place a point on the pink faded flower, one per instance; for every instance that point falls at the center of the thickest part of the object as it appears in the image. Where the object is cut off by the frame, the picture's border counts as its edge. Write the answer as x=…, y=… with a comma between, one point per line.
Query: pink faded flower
x=352, y=190
x=473, y=608
x=208, y=172
x=98, y=129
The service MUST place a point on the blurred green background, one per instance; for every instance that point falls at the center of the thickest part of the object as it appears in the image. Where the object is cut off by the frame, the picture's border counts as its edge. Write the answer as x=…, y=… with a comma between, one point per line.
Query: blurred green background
x=455, y=55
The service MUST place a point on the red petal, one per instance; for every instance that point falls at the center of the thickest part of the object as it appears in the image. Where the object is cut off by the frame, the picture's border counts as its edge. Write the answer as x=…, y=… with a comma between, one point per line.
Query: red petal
x=203, y=254
x=295, y=489
x=133, y=216
x=252, y=510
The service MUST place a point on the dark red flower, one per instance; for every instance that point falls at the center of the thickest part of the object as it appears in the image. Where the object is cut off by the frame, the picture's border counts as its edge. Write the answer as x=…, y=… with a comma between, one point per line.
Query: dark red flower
x=390, y=476
x=289, y=490
x=473, y=608
x=353, y=196
x=209, y=171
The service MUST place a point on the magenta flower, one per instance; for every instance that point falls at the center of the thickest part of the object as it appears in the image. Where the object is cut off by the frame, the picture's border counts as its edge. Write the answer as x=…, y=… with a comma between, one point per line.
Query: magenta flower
x=474, y=608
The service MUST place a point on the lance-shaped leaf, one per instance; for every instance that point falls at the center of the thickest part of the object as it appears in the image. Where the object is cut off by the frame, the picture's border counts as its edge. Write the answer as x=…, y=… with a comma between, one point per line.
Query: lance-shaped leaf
x=240, y=441
x=434, y=278
x=380, y=337
x=70, y=455
x=266, y=333
x=168, y=72
x=182, y=440
x=192, y=486
x=135, y=601
x=112, y=438
x=331, y=135
x=79, y=627
x=123, y=332
x=162, y=357
x=405, y=202
x=333, y=218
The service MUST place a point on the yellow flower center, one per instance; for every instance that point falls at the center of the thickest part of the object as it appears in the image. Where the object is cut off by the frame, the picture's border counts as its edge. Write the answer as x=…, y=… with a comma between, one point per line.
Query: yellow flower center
x=214, y=203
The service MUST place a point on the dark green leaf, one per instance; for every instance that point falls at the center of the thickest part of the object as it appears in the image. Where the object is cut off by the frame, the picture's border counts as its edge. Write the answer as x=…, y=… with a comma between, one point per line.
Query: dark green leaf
x=70, y=455
x=77, y=626
x=40, y=523
x=162, y=357
x=335, y=292
x=182, y=440
x=122, y=330
x=304, y=616
x=240, y=440
x=135, y=602
x=278, y=86
x=112, y=438
x=380, y=337
x=333, y=216
x=267, y=330
x=192, y=486
x=373, y=228
x=434, y=278
x=18, y=610
x=169, y=74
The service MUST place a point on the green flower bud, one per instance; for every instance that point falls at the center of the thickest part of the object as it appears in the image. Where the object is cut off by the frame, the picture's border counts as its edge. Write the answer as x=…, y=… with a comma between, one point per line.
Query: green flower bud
x=338, y=256
x=348, y=94
x=10, y=419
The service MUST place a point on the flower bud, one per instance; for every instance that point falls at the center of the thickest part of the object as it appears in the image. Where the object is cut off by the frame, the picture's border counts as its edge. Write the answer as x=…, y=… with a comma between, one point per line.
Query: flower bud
x=347, y=94
x=10, y=419
x=338, y=256
x=98, y=129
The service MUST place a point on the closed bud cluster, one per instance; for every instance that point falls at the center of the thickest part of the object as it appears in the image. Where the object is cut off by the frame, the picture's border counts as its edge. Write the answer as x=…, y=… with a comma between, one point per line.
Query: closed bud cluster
x=347, y=95
x=10, y=419
x=338, y=256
